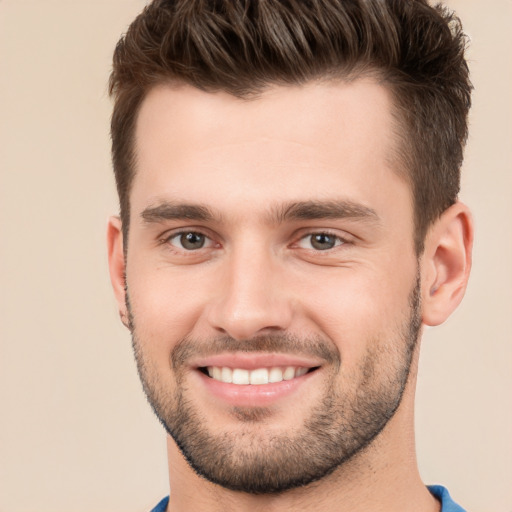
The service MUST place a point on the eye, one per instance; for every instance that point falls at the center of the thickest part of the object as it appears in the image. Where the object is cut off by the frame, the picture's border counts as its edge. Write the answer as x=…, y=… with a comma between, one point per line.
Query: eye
x=189, y=240
x=320, y=241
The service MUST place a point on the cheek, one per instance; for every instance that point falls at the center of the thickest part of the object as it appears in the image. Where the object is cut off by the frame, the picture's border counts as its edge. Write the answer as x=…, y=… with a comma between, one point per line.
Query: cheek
x=165, y=304
x=354, y=307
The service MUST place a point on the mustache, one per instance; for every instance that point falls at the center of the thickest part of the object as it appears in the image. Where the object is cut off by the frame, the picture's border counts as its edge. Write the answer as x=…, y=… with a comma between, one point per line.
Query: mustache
x=313, y=346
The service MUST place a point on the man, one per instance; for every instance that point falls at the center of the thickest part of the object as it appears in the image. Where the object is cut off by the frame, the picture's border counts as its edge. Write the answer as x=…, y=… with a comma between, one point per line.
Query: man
x=288, y=176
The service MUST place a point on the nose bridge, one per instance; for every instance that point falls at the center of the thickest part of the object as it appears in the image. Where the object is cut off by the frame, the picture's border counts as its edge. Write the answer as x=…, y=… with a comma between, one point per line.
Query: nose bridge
x=250, y=299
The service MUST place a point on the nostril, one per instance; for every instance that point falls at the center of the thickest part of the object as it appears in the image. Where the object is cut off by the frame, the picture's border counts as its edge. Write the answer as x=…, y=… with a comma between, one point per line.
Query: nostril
x=243, y=312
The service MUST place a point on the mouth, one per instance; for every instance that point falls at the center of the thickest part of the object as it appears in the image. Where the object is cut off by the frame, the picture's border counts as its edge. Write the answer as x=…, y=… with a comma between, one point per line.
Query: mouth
x=255, y=379
x=257, y=376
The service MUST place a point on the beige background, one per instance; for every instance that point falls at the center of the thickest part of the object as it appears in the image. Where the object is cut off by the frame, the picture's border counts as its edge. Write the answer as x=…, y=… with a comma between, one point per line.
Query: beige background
x=75, y=432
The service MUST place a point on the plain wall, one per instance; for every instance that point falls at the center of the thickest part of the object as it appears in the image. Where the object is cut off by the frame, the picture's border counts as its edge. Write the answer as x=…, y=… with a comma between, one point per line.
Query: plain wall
x=76, y=434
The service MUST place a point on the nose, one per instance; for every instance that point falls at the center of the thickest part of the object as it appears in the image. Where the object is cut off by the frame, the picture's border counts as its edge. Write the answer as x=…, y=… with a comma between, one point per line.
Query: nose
x=252, y=299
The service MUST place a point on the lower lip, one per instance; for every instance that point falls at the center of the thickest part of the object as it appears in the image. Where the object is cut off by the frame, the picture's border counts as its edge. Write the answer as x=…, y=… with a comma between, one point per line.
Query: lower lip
x=253, y=395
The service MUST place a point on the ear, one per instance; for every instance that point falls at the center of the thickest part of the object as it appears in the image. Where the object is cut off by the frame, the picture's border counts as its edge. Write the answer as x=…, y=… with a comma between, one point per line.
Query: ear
x=117, y=265
x=446, y=263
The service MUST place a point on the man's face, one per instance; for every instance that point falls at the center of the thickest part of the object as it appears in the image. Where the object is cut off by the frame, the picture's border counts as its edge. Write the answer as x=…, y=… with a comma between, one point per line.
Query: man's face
x=271, y=277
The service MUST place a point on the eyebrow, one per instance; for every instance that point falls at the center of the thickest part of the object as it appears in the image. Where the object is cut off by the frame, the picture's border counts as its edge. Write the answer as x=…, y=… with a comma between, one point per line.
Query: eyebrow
x=176, y=211
x=313, y=210
x=299, y=210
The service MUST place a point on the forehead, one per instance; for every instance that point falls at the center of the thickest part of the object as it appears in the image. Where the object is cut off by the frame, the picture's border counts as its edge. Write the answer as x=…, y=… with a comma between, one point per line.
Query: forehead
x=290, y=143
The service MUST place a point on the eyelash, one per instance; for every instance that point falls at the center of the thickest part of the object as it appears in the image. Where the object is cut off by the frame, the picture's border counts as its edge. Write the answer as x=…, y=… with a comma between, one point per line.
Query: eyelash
x=167, y=239
x=338, y=240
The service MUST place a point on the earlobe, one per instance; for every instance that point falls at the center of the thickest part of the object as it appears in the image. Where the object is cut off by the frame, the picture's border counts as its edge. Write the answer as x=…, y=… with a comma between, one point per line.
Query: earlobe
x=446, y=263
x=117, y=266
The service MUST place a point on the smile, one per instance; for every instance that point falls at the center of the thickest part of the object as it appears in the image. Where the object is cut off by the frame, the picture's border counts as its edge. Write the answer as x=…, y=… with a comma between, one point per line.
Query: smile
x=258, y=376
x=254, y=379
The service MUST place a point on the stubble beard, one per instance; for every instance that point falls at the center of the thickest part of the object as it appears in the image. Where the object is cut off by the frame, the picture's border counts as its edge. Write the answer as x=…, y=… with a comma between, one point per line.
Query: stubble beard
x=259, y=460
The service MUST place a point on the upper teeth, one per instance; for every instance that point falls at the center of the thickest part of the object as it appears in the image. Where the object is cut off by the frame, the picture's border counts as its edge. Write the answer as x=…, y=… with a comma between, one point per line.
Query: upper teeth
x=258, y=376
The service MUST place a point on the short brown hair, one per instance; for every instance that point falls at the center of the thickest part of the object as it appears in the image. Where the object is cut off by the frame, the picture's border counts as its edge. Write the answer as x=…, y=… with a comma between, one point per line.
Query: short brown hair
x=243, y=46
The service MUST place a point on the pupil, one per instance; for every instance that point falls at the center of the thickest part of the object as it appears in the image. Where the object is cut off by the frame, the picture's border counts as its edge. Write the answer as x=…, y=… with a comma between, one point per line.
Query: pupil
x=192, y=240
x=322, y=241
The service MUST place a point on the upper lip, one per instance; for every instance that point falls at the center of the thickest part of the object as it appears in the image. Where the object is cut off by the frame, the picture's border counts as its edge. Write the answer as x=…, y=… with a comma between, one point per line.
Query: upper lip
x=254, y=360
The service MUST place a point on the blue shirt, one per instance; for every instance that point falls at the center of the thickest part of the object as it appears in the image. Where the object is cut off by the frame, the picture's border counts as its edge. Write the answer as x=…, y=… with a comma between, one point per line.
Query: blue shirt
x=442, y=494
x=161, y=506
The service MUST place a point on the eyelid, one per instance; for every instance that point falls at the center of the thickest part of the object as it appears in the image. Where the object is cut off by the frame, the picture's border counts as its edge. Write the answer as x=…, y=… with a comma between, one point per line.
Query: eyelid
x=166, y=237
x=344, y=237
x=337, y=242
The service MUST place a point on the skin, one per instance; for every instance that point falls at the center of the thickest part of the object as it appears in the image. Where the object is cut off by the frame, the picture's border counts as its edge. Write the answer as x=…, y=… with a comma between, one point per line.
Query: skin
x=258, y=274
